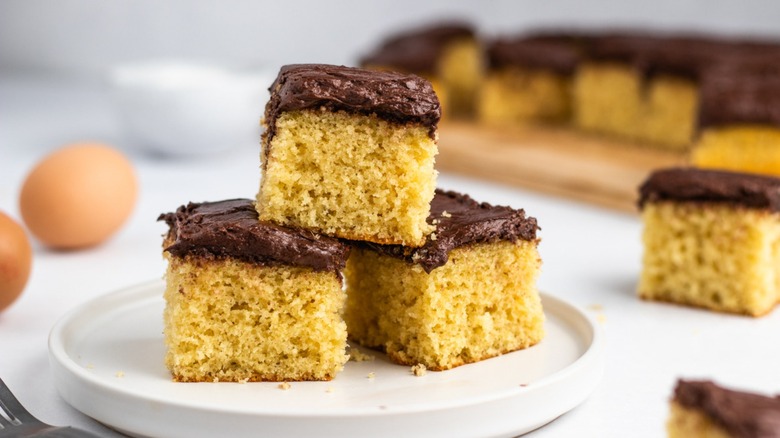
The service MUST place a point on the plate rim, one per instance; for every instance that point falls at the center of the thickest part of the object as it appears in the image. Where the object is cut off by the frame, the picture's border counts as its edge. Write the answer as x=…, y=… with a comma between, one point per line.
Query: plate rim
x=143, y=292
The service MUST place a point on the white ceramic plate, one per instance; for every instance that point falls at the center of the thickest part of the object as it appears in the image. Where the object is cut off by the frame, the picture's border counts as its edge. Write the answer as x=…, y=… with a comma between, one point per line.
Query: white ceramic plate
x=107, y=361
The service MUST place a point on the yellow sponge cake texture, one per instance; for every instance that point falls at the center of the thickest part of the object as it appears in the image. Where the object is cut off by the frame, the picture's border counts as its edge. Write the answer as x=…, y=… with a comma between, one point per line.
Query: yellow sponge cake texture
x=711, y=240
x=248, y=301
x=350, y=153
x=467, y=295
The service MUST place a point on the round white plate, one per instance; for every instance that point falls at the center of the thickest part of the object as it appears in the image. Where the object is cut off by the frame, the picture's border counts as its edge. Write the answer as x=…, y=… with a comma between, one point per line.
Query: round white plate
x=107, y=361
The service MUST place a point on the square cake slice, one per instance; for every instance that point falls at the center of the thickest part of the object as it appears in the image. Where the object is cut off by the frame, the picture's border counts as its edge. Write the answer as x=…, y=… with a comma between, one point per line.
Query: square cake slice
x=528, y=80
x=250, y=301
x=702, y=409
x=712, y=240
x=740, y=121
x=350, y=153
x=467, y=295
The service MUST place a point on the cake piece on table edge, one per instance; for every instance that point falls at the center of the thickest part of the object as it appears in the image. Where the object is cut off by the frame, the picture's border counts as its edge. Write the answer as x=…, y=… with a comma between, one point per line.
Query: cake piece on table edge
x=350, y=153
x=740, y=122
x=447, y=53
x=467, y=295
x=711, y=239
x=528, y=80
x=248, y=300
x=702, y=409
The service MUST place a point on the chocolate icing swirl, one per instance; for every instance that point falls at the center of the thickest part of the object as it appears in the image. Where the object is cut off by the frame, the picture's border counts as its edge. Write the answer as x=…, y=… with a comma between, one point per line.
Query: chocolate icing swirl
x=742, y=414
x=461, y=221
x=231, y=229
x=717, y=186
x=395, y=97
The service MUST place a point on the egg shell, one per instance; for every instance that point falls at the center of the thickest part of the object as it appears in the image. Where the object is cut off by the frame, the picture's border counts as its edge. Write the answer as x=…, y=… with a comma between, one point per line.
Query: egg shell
x=15, y=260
x=78, y=196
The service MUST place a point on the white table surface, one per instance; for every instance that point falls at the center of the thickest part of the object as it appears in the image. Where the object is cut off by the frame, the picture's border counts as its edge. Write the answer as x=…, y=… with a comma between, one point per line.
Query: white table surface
x=591, y=258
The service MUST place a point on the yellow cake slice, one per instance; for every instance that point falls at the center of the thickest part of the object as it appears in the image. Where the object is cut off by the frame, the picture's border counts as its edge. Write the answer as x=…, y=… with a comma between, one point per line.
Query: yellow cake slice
x=711, y=239
x=250, y=301
x=467, y=295
x=350, y=153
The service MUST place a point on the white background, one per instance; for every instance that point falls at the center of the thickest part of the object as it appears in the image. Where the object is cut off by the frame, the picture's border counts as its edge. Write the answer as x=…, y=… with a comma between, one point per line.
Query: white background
x=82, y=37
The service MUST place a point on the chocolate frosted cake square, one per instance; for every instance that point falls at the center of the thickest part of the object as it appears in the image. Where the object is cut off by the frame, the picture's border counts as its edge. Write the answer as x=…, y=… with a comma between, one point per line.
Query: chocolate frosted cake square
x=528, y=80
x=712, y=240
x=740, y=120
x=702, y=409
x=249, y=300
x=468, y=294
x=350, y=153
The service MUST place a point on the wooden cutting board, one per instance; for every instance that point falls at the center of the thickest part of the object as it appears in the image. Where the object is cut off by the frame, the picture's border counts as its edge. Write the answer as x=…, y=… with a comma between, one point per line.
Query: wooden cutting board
x=552, y=160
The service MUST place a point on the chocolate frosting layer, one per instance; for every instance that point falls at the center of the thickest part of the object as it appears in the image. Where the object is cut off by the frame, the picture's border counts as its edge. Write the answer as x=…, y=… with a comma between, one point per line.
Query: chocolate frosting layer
x=701, y=185
x=741, y=414
x=461, y=221
x=396, y=97
x=417, y=50
x=559, y=57
x=686, y=55
x=231, y=229
x=740, y=97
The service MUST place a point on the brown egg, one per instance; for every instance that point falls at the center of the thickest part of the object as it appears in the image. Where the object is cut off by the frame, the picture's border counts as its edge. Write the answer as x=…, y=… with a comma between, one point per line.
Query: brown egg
x=15, y=260
x=78, y=196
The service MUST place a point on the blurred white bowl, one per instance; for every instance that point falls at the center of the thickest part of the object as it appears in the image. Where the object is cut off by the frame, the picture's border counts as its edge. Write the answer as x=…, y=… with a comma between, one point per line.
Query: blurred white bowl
x=180, y=108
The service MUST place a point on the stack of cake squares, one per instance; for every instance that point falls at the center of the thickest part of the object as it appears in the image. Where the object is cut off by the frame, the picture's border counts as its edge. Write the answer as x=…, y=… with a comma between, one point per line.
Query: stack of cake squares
x=255, y=290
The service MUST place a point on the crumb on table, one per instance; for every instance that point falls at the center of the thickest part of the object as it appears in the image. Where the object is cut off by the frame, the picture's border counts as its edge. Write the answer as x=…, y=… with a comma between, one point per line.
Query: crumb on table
x=356, y=355
x=284, y=386
x=419, y=370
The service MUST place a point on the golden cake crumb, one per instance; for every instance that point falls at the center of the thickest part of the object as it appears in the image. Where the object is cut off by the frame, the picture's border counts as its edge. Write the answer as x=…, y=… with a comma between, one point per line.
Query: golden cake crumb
x=419, y=370
x=596, y=307
x=371, y=375
x=445, y=213
x=356, y=355
x=329, y=389
x=284, y=386
x=433, y=236
x=120, y=374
